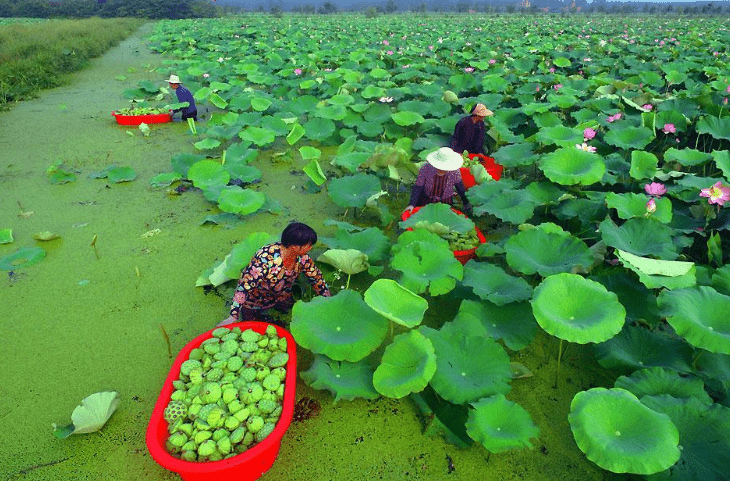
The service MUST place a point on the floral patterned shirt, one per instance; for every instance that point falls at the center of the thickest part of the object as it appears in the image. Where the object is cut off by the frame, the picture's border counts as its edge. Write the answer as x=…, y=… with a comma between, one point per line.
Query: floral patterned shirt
x=265, y=281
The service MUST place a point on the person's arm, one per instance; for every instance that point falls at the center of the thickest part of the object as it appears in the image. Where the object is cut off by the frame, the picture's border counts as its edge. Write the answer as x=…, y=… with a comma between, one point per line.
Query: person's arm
x=482, y=138
x=457, y=138
x=314, y=276
x=416, y=192
x=250, y=279
x=461, y=190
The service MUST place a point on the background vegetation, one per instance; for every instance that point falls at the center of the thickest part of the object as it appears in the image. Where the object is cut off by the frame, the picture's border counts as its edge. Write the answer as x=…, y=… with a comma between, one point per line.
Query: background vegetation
x=107, y=8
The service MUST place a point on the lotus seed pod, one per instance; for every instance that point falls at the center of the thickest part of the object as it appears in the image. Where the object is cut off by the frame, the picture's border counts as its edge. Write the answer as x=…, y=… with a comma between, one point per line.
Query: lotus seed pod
x=248, y=374
x=220, y=332
x=218, y=434
x=273, y=345
x=211, y=392
x=177, y=439
x=235, y=406
x=230, y=346
x=220, y=359
x=234, y=363
x=178, y=395
x=212, y=348
x=216, y=456
x=262, y=357
x=193, y=410
x=215, y=416
x=224, y=445
x=229, y=377
x=196, y=375
x=271, y=382
x=247, y=439
x=263, y=342
x=249, y=335
x=189, y=446
x=179, y=384
x=254, y=424
x=282, y=343
x=188, y=366
x=253, y=410
x=200, y=424
x=175, y=410
x=236, y=330
x=172, y=427
x=269, y=396
x=237, y=435
x=242, y=414
x=207, y=448
x=189, y=456
x=248, y=346
x=262, y=372
x=277, y=412
x=267, y=406
x=241, y=447
x=262, y=433
x=215, y=374
x=229, y=395
x=201, y=436
x=280, y=392
x=271, y=331
x=207, y=361
x=278, y=360
x=252, y=394
x=172, y=449
x=279, y=371
x=232, y=423
x=186, y=428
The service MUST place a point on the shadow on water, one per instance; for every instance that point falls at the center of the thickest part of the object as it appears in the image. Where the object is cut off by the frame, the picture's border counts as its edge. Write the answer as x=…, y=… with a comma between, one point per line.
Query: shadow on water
x=75, y=323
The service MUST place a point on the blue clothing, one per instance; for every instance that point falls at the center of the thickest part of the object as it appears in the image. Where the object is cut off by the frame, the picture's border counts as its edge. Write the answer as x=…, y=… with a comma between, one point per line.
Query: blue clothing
x=184, y=95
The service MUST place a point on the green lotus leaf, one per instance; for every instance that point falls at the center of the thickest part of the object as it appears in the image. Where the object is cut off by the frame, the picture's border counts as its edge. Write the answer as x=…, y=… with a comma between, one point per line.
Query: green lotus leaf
x=121, y=174
x=23, y=257
x=687, y=157
x=630, y=205
x=332, y=112
x=351, y=161
x=165, y=179
x=239, y=257
x=515, y=155
x=208, y=173
x=345, y=380
x=700, y=315
x=493, y=284
x=513, y=323
x=547, y=253
x=576, y=309
x=240, y=201
x=408, y=364
x=703, y=437
x=240, y=171
x=405, y=119
x=240, y=153
x=439, y=213
x=370, y=241
x=258, y=135
x=372, y=92
x=349, y=261
x=629, y=137
x=620, y=434
x=636, y=348
x=719, y=128
x=369, y=129
x=641, y=237
x=658, y=281
x=643, y=165
x=509, y=205
x=500, y=425
x=639, y=301
x=216, y=100
x=560, y=135
x=260, y=104
x=656, y=267
x=656, y=381
x=296, y=133
x=319, y=129
x=721, y=280
x=353, y=190
x=395, y=302
x=341, y=99
x=722, y=160
x=442, y=418
x=570, y=166
x=91, y=415
x=207, y=144
x=6, y=236
x=341, y=327
x=314, y=172
x=468, y=367
x=427, y=265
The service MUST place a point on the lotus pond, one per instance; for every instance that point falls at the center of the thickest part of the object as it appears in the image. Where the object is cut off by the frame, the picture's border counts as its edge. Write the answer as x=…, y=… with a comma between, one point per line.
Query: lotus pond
x=596, y=308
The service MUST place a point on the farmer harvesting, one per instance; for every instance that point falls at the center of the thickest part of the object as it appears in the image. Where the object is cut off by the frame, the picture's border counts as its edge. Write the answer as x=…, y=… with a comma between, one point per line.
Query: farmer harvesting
x=268, y=280
x=437, y=180
x=470, y=132
x=183, y=95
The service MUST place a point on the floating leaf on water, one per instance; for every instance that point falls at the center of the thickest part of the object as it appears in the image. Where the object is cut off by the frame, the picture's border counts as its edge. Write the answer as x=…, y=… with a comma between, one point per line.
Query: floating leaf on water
x=45, y=236
x=150, y=233
x=6, y=236
x=345, y=380
x=23, y=257
x=91, y=415
x=519, y=371
x=500, y=425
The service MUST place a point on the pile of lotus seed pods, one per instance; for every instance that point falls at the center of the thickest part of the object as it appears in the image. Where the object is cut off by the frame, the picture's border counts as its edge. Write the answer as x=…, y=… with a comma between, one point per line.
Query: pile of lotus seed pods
x=229, y=395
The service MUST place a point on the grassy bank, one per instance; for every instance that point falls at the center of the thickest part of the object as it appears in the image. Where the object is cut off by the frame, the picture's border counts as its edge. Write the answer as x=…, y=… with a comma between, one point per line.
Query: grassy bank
x=41, y=55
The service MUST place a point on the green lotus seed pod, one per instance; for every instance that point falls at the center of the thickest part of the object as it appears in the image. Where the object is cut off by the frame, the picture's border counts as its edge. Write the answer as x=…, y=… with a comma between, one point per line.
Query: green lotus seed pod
x=185, y=428
x=207, y=448
x=178, y=395
x=229, y=377
x=220, y=332
x=254, y=423
x=201, y=436
x=262, y=372
x=271, y=382
x=237, y=435
x=215, y=416
x=207, y=361
x=273, y=345
x=220, y=359
x=188, y=366
x=211, y=392
x=189, y=456
x=224, y=445
x=177, y=439
x=193, y=410
x=196, y=375
x=247, y=439
x=280, y=392
x=171, y=449
x=282, y=344
x=247, y=346
x=229, y=395
x=248, y=374
x=235, y=405
x=252, y=393
x=277, y=412
x=211, y=348
x=189, y=446
x=215, y=374
x=236, y=330
x=230, y=346
x=174, y=410
x=267, y=406
x=269, y=396
x=172, y=427
x=271, y=331
x=231, y=335
x=219, y=434
x=263, y=342
x=249, y=335
x=179, y=384
x=278, y=360
x=232, y=423
x=216, y=456
x=262, y=433
x=253, y=410
x=200, y=424
x=235, y=363
x=242, y=415
x=279, y=371
x=242, y=448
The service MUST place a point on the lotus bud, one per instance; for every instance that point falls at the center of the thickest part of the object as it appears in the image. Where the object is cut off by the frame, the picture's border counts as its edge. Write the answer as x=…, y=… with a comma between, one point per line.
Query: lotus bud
x=262, y=433
x=207, y=448
x=450, y=97
x=189, y=456
x=263, y=342
x=178, y=439
x=262, y=372
x=188, y=366
x=254, y=424
x=234, y=363
x=271, y=382
x=278, y=360
x=224, y=445
x=242, y=414
x=220, y=332
x=174, y=410
x=196, y=375
x=237, y=435
x=197, y=353
x=202, y=436
x=232, y=423
x=229, y=395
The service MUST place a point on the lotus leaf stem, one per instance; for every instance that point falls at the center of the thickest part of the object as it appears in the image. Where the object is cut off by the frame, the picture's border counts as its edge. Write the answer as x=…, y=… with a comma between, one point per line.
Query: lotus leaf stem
x=93, y=244
x=167, y=340
x=557, y=370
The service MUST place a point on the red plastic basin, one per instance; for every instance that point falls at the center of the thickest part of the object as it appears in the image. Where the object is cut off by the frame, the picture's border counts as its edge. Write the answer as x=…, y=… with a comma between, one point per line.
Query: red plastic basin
x=138, y=119
x=461, y=256
x=247, y=466
x=493, y=168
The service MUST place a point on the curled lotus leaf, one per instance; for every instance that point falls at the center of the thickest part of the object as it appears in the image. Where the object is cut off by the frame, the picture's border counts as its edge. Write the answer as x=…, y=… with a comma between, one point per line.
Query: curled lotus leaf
x=500, y=425
x=408, y=364
x=513, y=323
x=643, y=165
x=656, y=381
x=687, y=157
x=571, y=166
x=546, y=252
x=353, y=190
x=618, y=433
x=395, y=302
x=91, y=415
x=719, y=128
x=700, y=315
x=345, y=380
x=325, y=326
x=492, y=283
x=349, y=261
x=6, y=236
x=576, y=309
x=641, y=237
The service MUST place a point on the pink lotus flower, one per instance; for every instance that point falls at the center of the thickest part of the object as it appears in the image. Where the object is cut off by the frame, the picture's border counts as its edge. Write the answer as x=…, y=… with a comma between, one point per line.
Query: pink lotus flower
x=647, y=106
x=492, y=61
x=651, y=206
x=468, y=70
x=717, y=194
x=389, y=52
x=558, y=86
x=386, y=100
x=585, y=147
x=385, y=42
x=297, y=71
x=655, y=189
x=430, y=47
x=669, y=129
x=589, y=133
x=206, y=75
x=614, y=118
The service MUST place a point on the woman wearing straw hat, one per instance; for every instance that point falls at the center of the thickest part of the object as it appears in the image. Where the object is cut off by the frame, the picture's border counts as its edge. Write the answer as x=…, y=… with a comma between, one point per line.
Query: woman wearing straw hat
x=437, y=180
x=183, y=95
x=470, y=132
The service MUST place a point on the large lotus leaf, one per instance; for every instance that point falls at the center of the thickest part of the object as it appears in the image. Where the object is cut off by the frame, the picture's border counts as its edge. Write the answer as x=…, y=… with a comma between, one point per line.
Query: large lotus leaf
x=341, y=327
x=719, y=128
x=240, y=153
x=500, y=425
x=349, y=261
x=560, y=135
x=721, y=280
x=206, y=174
x=91, y=415
x=704, y=437
x=570, y=166
x=240, y=201
x=370, y=241
x=239, y=257
x=640, y=236
x=419, y=235
x=441, y=213
x=493, y=284
x=513, y=323
x=656, y=381
x=576, y=309
x=636, y=348
x=121, y=174
x=353, y=190
x=629, y=137
x=405, y=118
x=258, y=135
x=443, y=418
x=515, y=155
x=643, y=165
x=240, y=171
x=639, y=301
x=547, y=253
x=208, y=143
x=408, y=364
x=687, y=157
x=722, y=160
x=390, y=299
x=468, y=367
x=700, y=315
x=351, y=160
x=426, y=265
x=319, y=129
x=620, y=434
x=23, y=257
x=634, y=205
x=509, y=205
x=345, y=380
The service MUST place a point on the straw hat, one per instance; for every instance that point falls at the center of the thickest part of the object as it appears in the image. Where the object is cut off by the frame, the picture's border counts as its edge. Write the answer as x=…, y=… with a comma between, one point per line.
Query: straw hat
x=482, y=111
x=445, y=159
x=174, y=79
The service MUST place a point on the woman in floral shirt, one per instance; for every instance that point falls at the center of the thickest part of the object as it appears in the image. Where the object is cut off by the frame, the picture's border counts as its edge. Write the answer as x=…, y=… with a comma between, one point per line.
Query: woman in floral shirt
x=267, y=281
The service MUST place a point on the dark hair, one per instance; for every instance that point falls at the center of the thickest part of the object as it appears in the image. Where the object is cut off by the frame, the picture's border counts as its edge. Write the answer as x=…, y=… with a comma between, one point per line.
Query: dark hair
x=298, y=234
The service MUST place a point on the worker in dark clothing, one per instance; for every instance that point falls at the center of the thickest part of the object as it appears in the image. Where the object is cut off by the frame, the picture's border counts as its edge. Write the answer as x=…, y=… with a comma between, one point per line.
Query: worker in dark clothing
x=470, y=132
x=183, y=95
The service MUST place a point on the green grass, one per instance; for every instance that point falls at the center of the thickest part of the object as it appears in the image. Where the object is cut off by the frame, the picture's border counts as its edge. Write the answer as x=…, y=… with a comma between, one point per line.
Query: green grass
x=36, y=56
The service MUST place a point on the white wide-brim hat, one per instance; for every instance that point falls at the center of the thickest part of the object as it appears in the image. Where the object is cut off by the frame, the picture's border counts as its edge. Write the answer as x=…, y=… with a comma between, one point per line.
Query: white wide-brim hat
x=445, y=159
x=174, y=79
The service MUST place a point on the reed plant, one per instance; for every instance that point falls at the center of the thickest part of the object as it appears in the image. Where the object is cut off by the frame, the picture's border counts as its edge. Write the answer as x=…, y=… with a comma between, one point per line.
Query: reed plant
x=36, y=56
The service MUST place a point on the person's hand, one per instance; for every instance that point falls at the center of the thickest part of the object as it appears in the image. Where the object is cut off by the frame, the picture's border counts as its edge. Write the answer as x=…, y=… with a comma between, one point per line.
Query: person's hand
x=408, y=209
x=226, y=321
x=467, y=208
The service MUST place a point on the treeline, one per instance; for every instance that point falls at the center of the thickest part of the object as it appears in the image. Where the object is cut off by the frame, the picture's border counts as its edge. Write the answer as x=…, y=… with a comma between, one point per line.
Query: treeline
x=153, y=9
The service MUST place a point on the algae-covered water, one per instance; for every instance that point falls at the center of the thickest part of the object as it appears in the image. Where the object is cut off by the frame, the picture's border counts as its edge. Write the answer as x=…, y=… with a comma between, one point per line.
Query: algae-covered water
x=87, y=318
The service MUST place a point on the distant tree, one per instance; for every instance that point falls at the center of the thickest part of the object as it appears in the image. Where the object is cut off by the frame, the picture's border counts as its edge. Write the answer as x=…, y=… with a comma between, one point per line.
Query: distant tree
x=462, y=7
x=309, y=9
x=371, y=12
x=276, y=11
x=420, y=8
x=391, y=6
x=327, y=8
x=510, y=8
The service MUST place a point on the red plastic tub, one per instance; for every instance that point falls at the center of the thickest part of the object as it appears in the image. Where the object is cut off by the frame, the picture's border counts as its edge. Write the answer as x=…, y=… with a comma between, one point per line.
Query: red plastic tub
x=247, y=466
x=493, y=168
x=461, y=256
x=138, y=119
